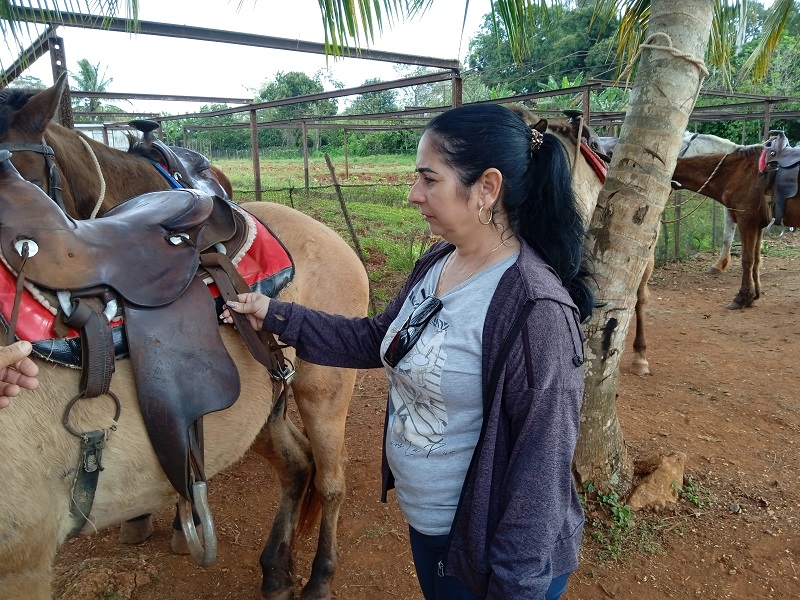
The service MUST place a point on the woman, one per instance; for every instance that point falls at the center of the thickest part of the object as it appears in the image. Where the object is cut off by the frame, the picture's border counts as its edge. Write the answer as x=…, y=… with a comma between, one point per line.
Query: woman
x=17, y=371
x=479, y=435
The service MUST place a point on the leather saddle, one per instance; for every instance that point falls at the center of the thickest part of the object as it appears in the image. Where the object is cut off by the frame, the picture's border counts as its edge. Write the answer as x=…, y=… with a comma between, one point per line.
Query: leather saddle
x=182, y=167
x=146, y=252
x=781, y=163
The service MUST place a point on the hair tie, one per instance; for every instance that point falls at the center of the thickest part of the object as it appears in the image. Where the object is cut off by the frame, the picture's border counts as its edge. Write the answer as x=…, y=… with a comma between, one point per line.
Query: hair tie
x=537, y=139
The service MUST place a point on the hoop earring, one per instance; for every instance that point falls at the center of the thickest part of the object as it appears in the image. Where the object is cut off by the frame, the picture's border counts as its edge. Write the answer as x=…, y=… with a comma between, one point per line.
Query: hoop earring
x=489, y=220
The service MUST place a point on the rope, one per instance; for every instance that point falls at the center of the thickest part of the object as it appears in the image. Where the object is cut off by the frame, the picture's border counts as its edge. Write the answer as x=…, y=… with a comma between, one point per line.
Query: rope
x=700, y=189
x=100, y=176
x=667, y=47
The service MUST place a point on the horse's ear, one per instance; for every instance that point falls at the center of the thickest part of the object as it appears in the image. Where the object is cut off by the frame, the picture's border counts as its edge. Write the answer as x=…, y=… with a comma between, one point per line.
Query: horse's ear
x=540, y=126
x=41, y=108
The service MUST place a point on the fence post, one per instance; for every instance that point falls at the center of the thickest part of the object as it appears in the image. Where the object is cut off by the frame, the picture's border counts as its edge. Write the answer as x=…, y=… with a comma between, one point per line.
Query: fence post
x=254, y=151
x=677, y=219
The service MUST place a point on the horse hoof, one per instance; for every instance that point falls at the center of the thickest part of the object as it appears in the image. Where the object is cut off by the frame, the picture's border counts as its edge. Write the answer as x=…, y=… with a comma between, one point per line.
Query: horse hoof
x=734, y=306
x=713, y=271
x=284, y=594
x=640, y=368
x=135, y=532
x=179, y=544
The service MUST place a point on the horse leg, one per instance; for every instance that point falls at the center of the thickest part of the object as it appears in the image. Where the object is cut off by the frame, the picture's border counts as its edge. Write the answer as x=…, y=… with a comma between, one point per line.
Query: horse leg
x=29, y=540
x=640, y=366
x=751, y=250
x=289, y=452
x=135, y=531
x=724, y=260
x=324, y=412
x=757, y=265
x=32, y=583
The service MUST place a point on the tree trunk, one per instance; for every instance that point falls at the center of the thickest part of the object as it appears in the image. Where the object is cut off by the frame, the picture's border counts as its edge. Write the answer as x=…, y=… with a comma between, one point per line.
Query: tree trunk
x=623, y=228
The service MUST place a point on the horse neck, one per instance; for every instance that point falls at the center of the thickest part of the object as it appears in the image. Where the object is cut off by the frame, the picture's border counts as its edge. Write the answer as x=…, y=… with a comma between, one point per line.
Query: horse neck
x=585, y=183
x=714, y=174
x=116, y=175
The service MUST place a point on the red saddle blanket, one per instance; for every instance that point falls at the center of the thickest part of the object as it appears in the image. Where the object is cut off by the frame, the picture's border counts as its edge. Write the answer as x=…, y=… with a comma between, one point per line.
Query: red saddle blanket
x=598, y=166
x=265, y=258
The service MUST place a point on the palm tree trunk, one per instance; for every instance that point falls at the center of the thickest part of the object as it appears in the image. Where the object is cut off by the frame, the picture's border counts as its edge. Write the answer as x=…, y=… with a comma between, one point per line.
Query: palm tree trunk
x=624, y=225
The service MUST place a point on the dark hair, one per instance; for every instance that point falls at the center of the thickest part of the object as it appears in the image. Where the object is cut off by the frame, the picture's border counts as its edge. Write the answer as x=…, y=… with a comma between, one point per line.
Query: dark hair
x=537, y=190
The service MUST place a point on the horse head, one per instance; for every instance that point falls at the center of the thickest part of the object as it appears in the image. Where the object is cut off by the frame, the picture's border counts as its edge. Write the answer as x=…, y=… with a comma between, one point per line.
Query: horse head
x=24, y=116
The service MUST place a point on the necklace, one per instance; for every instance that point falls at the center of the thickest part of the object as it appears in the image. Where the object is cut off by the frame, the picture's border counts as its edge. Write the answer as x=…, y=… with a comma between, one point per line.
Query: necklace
x=475, y=270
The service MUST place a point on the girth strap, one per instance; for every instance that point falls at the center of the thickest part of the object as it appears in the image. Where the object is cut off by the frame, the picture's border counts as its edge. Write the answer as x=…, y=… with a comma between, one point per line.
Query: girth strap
x=262, y=345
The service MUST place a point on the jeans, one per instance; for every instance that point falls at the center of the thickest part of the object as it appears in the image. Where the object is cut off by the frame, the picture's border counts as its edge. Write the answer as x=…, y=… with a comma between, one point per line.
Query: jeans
x=428, y=552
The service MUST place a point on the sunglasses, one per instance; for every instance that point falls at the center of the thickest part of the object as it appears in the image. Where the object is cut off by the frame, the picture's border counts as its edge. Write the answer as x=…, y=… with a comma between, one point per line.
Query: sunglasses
x=409, y=333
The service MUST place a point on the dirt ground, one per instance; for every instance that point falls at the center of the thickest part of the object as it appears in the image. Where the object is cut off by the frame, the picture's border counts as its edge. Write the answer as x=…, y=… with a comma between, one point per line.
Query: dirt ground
x=723, y=390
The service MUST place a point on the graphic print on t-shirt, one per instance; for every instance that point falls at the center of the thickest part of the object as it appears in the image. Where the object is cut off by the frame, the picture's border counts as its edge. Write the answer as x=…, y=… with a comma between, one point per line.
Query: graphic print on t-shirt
x=419, y=417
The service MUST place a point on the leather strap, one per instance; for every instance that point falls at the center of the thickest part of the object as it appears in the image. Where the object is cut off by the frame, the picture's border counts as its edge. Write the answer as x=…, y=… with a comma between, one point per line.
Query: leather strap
x=97, y=348
x=264, y=348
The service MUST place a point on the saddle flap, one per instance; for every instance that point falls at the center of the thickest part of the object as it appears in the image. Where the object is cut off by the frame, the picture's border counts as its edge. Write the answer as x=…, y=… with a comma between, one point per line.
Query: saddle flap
x=163, y=342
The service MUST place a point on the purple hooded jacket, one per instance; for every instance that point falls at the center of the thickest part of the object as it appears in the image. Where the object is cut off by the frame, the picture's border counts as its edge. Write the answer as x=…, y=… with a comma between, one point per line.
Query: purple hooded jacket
x=519, y=522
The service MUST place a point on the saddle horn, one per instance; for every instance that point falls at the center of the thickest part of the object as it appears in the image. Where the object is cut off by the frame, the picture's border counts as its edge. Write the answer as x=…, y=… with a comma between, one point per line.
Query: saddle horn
x=146, y=126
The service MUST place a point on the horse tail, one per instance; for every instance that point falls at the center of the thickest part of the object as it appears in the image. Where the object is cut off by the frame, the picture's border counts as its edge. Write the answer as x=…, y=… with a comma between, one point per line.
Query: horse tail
x=289, y=450
x=311, y=506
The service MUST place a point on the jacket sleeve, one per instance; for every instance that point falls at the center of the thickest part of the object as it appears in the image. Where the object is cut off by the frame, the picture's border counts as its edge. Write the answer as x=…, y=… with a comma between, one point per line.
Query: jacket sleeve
x=328, y=339
x=540, y=514
x=335, y=340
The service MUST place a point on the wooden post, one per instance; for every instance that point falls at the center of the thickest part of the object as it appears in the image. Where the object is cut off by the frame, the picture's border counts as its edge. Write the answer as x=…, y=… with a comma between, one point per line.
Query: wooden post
x=346, y=164
x=58, y=62
x=254, y=152
x=586, y=106
x=677, y=229
x=105, y=135
x=766, y=120
x=457, y=85
x=304, y=129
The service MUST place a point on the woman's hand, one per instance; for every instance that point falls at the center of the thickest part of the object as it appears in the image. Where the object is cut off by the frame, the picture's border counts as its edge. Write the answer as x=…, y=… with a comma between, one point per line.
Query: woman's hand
x=253, y=305
x=17, y=371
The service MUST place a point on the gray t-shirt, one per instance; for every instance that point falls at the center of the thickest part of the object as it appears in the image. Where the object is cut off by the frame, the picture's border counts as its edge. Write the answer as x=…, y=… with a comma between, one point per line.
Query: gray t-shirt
x=436, y=408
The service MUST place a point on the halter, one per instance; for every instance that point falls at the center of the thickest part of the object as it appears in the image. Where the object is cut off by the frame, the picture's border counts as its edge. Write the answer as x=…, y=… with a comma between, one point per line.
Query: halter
x=54, y=177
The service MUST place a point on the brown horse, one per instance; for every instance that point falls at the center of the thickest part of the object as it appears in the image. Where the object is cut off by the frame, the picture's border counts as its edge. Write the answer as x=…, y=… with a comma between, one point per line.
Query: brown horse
x=40, y=455
x=733, y=180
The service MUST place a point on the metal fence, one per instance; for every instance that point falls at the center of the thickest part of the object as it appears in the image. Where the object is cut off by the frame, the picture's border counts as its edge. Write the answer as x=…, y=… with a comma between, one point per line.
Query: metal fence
x=690, y=223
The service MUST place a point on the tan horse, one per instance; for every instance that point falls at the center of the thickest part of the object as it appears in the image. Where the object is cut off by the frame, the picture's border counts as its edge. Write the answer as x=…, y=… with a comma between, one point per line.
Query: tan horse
x=587, y=184
x=40, y=456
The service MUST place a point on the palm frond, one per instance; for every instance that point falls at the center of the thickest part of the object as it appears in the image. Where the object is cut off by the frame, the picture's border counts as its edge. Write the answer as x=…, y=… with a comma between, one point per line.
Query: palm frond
x=758, y=62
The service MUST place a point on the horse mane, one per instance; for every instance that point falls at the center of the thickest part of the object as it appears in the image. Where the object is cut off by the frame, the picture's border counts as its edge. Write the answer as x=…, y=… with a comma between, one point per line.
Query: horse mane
x=751, y=149
x=11, y=100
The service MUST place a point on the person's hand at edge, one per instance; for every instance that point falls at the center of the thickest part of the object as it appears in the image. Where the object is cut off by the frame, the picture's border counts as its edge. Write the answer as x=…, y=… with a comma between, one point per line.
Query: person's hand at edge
x=17, y=371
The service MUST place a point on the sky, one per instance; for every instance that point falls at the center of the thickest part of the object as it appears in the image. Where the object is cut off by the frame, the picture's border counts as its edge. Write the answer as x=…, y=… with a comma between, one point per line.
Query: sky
x=160, y=65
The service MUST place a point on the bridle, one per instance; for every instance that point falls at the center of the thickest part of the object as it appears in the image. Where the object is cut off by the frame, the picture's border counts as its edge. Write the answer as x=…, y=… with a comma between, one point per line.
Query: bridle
x=53, y=175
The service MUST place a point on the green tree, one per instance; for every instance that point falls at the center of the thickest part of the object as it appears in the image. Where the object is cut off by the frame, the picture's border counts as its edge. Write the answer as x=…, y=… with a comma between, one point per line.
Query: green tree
x=89, y=79
x=566, y=43
x=373, y=102
x=292, y=85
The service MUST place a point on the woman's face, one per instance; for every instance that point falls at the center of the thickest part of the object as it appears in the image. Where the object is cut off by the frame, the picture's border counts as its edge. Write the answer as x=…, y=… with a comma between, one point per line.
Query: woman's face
x=450, y=209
